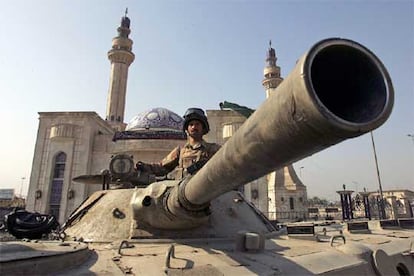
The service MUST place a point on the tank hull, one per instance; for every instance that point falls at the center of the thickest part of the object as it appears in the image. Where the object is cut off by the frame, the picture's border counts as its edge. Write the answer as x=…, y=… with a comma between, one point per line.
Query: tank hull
x=383, y=252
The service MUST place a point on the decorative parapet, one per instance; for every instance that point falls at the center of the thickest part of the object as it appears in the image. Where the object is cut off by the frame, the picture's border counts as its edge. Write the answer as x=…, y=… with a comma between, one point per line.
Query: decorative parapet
x=121, y=56
x=168, y=135
x=62, y=130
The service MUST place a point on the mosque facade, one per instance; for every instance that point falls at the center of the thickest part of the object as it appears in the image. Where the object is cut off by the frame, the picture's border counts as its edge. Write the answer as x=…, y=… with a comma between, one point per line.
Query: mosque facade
x=70, y=144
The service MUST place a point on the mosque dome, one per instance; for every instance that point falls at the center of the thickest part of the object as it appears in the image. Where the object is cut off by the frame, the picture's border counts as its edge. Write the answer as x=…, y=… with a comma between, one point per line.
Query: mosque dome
x=156, y=119
x=155, y=123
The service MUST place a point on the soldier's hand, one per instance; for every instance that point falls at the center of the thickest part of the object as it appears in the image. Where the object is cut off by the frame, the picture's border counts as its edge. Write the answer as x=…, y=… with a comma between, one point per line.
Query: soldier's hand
x=141, y=166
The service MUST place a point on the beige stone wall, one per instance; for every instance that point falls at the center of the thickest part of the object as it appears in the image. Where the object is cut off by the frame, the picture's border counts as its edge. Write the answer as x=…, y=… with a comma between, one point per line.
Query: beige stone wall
x=72, y=133
x=288, y=195
x=218, y=119
x=86, y=140
x=294, y=192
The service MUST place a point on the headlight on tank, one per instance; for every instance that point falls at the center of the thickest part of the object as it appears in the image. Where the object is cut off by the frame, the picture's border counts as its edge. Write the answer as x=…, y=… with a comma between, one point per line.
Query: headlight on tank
x=121, y=166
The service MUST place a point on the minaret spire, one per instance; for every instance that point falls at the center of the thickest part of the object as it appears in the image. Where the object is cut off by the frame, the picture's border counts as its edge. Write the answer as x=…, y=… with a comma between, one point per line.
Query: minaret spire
x=271, y=72
x=121, y=56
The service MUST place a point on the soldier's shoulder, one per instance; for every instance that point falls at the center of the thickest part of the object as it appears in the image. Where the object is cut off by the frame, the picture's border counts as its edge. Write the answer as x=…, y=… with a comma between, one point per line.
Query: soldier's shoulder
x=213, y=147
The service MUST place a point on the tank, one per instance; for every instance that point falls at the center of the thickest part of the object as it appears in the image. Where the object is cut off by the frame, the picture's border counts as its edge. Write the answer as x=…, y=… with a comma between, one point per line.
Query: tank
x=202, y=225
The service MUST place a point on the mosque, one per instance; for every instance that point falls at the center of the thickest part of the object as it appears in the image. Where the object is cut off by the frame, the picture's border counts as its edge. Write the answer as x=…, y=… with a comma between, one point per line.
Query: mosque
x=70, y=144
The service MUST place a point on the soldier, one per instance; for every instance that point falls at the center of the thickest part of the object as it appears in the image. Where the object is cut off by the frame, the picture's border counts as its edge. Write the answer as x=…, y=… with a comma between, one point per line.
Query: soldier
x=186, y=160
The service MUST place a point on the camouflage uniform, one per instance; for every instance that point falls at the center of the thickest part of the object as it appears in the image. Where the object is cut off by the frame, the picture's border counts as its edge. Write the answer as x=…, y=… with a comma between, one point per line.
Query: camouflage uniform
x=175, y=164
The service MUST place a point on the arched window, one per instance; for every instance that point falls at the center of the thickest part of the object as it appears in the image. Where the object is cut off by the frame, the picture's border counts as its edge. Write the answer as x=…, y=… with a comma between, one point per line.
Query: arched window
x=291, y=203
x=57, y=184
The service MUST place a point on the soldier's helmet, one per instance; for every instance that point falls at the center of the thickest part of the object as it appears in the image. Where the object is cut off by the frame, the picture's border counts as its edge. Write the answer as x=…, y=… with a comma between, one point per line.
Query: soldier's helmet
x=196, y=114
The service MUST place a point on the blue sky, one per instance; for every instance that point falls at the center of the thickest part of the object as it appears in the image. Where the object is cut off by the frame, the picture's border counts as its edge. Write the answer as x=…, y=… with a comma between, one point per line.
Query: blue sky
x=199, y=53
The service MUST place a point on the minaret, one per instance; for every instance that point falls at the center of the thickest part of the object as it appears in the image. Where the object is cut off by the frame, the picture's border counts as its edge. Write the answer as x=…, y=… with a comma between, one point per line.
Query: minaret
x=121, y=57
x=271, y=72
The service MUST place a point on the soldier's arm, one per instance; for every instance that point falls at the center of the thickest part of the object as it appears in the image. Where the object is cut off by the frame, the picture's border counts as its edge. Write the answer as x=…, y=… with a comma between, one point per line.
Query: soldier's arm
x=165, y=166
x=171, y=161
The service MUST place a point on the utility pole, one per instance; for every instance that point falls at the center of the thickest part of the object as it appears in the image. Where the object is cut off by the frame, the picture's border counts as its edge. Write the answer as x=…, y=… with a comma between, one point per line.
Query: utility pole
x=382, y=207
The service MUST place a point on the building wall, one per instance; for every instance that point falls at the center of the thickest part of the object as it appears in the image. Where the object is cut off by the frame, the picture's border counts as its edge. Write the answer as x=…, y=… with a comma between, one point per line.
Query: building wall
x=86, y=139
x=288, y=195
x=71, y=133
x=218, y=119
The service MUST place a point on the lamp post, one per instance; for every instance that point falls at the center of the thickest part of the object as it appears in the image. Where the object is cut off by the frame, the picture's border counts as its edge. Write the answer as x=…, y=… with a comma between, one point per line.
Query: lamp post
x=21, y=186
x=382, y=207
x=411, y=136
x=356, y=186
x=300, y=171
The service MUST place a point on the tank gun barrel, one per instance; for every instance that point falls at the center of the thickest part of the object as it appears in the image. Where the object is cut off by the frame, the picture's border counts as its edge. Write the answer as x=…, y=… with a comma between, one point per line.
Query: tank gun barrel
x=338, y=90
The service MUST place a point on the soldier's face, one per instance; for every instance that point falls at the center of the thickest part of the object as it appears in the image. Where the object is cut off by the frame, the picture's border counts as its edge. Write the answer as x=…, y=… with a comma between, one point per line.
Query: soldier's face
x=195, y=129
